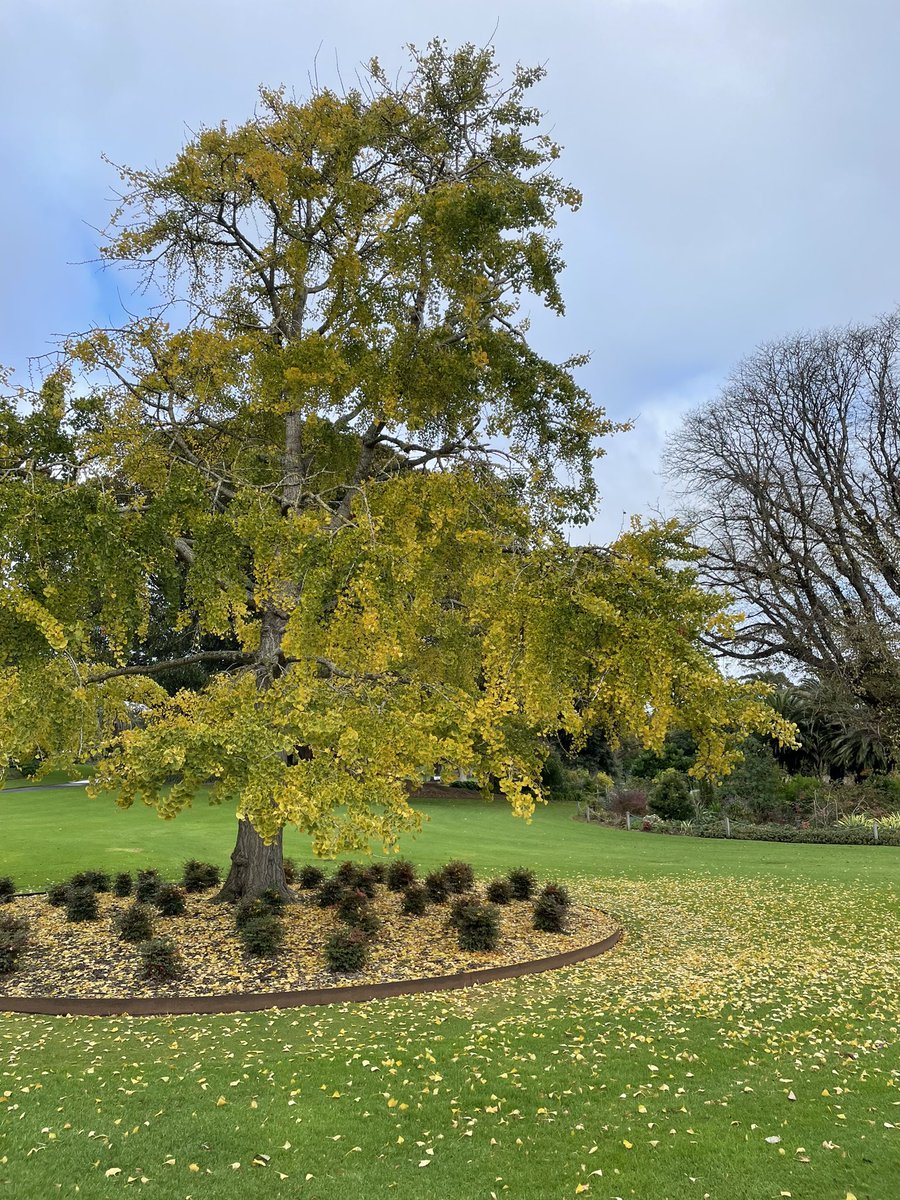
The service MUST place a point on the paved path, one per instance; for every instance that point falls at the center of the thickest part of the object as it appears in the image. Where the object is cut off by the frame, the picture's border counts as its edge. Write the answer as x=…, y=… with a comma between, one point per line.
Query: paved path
x=48, y=787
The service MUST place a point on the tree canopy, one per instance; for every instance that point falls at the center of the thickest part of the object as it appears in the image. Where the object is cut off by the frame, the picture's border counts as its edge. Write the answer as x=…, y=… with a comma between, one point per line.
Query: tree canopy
x=792, y=482
x=332, y=451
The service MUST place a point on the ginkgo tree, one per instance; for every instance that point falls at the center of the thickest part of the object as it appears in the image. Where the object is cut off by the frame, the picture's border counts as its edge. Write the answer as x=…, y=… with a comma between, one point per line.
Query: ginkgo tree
x=333, y=449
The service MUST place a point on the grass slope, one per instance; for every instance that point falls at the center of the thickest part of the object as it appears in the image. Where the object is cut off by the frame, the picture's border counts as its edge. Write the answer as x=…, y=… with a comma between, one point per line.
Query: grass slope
x=742, y=1043
x=48, y=834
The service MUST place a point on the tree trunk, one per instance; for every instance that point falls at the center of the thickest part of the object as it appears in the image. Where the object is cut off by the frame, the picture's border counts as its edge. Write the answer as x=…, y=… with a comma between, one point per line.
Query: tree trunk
x=254, y=867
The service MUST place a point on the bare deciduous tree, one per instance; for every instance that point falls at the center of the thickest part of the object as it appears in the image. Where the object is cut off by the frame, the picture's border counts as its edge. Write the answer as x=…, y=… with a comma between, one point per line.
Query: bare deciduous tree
x=792, y=481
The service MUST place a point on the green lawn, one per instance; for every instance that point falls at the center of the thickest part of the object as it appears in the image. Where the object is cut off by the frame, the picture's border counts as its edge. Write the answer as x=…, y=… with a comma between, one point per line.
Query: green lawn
x=755, y=998
x=47, y=834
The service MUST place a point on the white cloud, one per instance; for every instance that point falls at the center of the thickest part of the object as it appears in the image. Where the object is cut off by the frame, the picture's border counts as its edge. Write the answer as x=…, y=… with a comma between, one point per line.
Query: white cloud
x=630, y=478
x=738, y=159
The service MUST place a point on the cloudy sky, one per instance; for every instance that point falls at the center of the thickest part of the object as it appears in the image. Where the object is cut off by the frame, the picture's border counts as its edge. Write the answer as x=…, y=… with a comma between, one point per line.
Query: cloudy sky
x=739, y=162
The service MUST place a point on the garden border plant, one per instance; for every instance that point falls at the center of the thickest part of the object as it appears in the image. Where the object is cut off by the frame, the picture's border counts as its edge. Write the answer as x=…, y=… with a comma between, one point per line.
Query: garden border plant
x=845, y=835
x=259, y=929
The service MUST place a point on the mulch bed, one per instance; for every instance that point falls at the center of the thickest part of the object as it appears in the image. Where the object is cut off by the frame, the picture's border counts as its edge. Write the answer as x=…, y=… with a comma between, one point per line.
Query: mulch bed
x=88, y=959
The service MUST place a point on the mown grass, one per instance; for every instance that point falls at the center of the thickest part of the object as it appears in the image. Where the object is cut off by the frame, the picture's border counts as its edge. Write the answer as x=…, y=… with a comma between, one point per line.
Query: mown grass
x=47, y=834
x=755, y=998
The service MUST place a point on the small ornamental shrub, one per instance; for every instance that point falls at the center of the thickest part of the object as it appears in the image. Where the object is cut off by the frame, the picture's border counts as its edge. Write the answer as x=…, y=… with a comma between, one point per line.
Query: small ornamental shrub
x=366, y=884
x=135, y=923
x=415, y=900
x=250, y=909
x=628, y=800
x=350, y=902
x=81, y=904
x=310, y=877
x=801, y=793
x=400, y=874
x=13, y=940
x=123, y=885
x=263, y=936
x=160, y=960
x=348, y=873
x=356, y=878
x=7, y=889
x=290, y=871
x=376, y=872
x=273, y=900
x=148, y=883
x=329, y=892
x=58, y=894
x=436, y=887
x=559, y=893
x=366, y=919
x=670, y=797
x=459, y=877
x=200, y=876
x=553, y=779
x=601, y=784
x=346, y=950
x=522, y=883
x=477, y=925
x=169, y=899
x=549, y=914
x=499, y=891
x=11, y=946
x=97, y=880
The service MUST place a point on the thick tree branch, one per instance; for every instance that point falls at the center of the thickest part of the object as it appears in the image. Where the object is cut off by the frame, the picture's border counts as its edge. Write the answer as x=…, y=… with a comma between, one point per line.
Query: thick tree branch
x=233, y=656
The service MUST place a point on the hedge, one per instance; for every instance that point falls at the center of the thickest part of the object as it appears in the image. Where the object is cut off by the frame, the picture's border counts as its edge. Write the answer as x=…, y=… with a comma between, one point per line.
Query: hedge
x=840, y=836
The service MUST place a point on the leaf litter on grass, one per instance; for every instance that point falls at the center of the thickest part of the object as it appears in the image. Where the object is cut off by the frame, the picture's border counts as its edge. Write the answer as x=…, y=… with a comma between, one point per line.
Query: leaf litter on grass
x=652, y=1072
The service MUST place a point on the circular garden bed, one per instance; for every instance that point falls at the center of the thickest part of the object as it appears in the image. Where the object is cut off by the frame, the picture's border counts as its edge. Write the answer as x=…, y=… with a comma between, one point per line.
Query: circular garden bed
x=357, y=926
